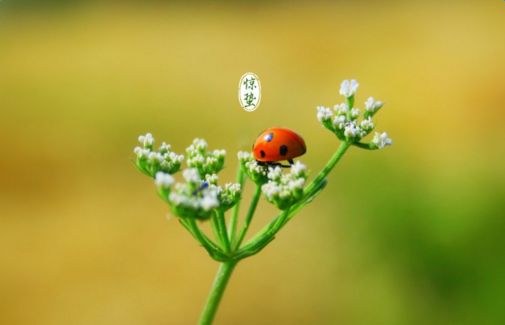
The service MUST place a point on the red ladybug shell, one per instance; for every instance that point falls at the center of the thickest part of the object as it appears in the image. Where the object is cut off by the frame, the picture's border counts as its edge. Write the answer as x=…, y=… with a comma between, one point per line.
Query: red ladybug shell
x=275, y=144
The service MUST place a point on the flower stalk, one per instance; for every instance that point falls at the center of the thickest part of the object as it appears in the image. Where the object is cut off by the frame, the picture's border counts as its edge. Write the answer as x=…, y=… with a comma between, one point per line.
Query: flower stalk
x=200, y=197
x=216, y=292
x=249, y=216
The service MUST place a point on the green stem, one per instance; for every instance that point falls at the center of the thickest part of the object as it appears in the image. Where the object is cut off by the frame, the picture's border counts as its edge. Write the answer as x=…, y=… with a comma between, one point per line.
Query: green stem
x=221, y=224
x=211, y=247
x=232, y=231
x=248, y=218
x=218, y=231
x=216, y=292
x=327, y=168
x=367, y=146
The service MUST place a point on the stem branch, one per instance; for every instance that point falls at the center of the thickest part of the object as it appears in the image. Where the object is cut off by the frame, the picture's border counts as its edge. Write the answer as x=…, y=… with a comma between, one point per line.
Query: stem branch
x=248, y=218
x=232, y=231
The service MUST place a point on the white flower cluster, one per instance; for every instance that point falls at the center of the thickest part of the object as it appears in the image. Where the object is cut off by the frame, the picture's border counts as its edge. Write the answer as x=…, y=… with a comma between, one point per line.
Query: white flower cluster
x=151, y=162
x=256, y=172
x=229, y=195
x=197, y=198
x=200, y=194
x=205, y=162
x=343, y=119
x=285, y=189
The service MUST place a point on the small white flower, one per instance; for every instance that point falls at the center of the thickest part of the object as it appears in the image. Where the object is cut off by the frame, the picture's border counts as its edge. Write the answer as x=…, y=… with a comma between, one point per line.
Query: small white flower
x=270, y=189
x=209, y=201
x=211, y=160
x=298, y=168
x=323, y=113
x=243, y=155
x=155, y=156
x=274, y=173
x=163, y=180
x=348, y=88
x=141, y=152
x=255, y=168
x=367, y=124
x=175, y=198
x=191, y=175
x=219, y=153
x=351, y=130
x=296, y=184
x=339, y=121
x=180, y=199
x=341, y=108
x=175, y=157
x=382, y=140
x=371, y=105
x=232, y=187
x=164, y=147
x=200, y=144
x=146, y=140
x=355, y=112
x=211, y=178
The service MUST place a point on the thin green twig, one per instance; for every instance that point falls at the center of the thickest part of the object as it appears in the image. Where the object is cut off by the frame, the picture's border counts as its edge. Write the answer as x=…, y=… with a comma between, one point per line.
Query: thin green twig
x=249, y=216
x=232, y=230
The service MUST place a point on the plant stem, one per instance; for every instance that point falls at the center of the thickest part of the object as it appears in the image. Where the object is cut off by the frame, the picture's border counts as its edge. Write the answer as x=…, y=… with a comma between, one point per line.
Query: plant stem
x=232, y=231
x=216, y=293
x=213, y=249
x=248, y=218
x=221, y=223
x=367, y=146
x=327, y=168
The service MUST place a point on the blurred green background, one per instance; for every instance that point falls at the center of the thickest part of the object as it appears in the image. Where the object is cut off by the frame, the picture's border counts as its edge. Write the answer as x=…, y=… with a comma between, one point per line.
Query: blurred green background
x=409, y=235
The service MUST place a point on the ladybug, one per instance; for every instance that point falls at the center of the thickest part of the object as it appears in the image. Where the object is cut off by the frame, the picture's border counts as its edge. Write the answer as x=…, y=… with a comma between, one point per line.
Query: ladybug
x=277, y=144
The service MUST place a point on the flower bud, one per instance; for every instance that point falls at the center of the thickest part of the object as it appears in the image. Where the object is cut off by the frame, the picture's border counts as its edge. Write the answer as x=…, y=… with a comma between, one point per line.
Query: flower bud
x=348, y=88
x=163, y=180
x=381, y=140
x=251, y=168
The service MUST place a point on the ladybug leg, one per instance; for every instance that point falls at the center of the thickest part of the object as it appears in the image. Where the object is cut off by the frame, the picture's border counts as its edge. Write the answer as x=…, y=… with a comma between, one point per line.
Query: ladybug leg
x=272, y=164
x=291, y=162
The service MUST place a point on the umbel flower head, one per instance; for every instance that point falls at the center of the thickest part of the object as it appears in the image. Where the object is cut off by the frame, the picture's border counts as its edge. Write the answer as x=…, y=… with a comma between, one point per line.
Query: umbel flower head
x=151, y=162
x=285, y=189
x=206, y=162
x=200, y=194
x=345, y=122
x=256, y=172
x=197, y=198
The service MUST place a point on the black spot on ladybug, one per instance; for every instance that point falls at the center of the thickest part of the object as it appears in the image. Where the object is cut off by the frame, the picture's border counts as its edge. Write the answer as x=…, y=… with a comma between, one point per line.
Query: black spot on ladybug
x=269, y=137
x=283, y=150
x=262, y=153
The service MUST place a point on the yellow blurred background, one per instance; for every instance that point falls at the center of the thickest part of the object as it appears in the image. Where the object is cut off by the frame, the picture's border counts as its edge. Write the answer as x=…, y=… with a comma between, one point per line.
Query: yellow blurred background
x=408, y=235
